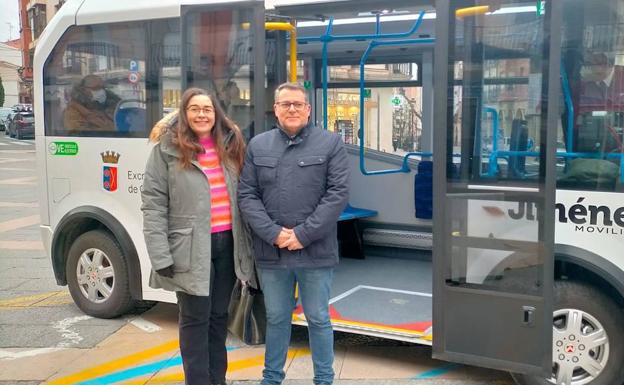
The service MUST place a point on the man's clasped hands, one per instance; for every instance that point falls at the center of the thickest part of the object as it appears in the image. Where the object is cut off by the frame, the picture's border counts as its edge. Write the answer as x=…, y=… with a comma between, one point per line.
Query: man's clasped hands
x=288, y=239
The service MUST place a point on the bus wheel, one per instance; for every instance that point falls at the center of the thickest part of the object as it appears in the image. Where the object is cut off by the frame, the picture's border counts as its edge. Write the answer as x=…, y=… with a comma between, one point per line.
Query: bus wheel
x=97, y=275
x=588, y=338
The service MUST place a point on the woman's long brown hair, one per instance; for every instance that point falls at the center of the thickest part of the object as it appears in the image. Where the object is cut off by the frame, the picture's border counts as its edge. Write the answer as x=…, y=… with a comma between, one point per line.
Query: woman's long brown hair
x=231, y=153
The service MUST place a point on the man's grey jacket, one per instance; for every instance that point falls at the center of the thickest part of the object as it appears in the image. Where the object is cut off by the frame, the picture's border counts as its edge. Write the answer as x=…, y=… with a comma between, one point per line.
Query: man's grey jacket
x=299, y=182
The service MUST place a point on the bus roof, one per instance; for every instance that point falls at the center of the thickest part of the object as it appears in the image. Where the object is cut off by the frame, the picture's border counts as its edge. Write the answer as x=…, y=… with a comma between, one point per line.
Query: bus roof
x=97, y=11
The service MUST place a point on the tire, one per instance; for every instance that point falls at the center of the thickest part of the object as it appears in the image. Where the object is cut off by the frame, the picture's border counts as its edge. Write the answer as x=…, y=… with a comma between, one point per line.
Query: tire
x=97, y=275
x=598, y=312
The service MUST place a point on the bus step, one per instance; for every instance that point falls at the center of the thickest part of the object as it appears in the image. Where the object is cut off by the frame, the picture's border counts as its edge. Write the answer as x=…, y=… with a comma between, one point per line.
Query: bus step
x=398, y=238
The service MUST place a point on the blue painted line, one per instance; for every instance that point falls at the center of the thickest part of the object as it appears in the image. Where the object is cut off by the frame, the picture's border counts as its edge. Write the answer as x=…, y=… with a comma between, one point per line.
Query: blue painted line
x=436, y=372
x=138, y=371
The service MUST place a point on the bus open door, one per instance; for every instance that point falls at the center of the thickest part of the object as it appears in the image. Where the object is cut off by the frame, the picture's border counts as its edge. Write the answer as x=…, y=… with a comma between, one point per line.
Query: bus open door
x=493, y=230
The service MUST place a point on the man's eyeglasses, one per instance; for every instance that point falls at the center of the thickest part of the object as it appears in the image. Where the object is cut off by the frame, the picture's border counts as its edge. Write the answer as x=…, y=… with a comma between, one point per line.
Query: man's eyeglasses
x=195, y=110
x=285, y=106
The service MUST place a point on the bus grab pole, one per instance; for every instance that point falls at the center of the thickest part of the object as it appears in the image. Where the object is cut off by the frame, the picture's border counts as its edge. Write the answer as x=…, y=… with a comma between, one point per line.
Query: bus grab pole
x=330, y=37
x=282, y=26
x=371, y=45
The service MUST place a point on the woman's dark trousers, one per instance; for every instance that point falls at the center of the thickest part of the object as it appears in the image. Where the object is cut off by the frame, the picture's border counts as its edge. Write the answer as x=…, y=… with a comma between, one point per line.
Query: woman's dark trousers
x=203, y=320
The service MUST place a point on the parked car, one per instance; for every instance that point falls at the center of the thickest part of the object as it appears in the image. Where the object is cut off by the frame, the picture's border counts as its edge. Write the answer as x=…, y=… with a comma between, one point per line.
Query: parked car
x=22, y=125
x=22, y=107
x=4, y=114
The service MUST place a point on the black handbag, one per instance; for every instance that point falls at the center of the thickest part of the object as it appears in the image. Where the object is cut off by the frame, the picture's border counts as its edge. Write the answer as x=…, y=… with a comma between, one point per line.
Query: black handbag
x=247, y=314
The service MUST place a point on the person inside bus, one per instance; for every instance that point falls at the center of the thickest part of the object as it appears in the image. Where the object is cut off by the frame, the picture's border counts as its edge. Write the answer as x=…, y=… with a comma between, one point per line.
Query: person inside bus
x=602, y=84
x=195, y=239
x=293, y=187
x=91, y=107
x=600, y=107
x=598, y=124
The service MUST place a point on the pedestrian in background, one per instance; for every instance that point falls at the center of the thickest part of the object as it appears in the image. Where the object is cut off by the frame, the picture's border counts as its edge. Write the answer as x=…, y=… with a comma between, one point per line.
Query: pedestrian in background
x=293, y=187
x=196, y=241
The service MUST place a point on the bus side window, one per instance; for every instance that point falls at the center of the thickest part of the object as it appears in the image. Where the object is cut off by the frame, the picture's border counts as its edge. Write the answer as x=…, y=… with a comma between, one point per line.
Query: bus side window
x=598, y=129
x=93, y=70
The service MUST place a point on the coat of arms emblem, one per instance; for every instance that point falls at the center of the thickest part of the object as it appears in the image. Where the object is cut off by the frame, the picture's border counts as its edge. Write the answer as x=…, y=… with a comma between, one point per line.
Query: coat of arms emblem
x=109, y=171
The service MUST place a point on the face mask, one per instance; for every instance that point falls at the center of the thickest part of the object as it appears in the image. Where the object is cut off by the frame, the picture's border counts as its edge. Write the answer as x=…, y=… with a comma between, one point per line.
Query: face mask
x=98, y=96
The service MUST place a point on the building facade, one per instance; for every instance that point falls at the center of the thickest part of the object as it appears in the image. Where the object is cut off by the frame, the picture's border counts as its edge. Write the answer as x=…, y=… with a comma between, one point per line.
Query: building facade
x=10, y=63
x=34, y=16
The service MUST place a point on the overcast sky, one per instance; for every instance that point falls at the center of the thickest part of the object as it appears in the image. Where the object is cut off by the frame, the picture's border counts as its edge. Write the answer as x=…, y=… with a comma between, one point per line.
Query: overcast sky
x=9, y=14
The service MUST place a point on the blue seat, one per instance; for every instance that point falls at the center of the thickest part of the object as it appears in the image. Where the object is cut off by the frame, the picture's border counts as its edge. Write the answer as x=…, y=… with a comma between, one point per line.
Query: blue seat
x=351, y=212
x=130, y=119
x=349, y=237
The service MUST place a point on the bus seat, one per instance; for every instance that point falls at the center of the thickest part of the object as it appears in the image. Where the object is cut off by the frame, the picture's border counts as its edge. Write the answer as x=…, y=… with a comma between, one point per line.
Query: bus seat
x=519, y=141
x=349, y=236
x=423, y=190
x=351, y=212
x=131, y=119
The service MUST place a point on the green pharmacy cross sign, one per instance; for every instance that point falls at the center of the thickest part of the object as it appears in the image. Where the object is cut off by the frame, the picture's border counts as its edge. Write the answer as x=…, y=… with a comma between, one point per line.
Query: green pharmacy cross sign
x=396, y=101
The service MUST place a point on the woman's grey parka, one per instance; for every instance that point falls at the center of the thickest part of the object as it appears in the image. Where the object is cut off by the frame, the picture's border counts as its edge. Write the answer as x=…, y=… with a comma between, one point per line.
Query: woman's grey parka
x=176, y=220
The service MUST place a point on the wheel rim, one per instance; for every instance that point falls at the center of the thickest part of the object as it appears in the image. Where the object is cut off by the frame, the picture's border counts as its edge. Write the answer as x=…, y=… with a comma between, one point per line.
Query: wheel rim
x=580, y=347
x=96, y=276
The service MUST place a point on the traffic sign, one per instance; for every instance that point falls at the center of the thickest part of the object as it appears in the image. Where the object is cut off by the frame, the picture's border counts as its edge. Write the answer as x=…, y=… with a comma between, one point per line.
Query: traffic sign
x=133, y=77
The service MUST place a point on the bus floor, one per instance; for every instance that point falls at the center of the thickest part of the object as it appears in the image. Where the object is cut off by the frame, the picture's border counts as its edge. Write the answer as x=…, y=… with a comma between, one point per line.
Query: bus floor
x=382, y=296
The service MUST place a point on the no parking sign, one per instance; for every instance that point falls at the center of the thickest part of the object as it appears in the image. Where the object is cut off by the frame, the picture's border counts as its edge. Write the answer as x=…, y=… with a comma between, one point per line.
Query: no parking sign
x=133, y=77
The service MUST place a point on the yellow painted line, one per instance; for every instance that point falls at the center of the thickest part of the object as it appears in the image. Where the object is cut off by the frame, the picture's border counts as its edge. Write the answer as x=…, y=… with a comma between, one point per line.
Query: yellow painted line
x=19, y=223
x=61, y=298
x=365, y=325
x=377, y=327
x=116, y=365
x=34, y=300
x=233, y=366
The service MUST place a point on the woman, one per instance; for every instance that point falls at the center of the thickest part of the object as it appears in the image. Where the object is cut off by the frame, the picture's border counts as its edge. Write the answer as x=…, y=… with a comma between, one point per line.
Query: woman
x=194, y=235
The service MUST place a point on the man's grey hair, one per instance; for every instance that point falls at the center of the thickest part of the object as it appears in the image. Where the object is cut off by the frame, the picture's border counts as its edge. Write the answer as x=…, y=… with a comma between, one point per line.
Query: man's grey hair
x=292, y=87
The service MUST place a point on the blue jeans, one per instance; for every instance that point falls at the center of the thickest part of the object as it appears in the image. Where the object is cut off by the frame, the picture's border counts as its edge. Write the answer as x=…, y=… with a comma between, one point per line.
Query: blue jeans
x=314, y=286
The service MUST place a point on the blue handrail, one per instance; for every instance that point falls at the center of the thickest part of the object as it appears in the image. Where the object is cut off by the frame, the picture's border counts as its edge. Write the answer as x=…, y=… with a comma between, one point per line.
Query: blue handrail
x=566, y=155
x=493, y=163
x=567, y=99
x=328, y=37
x=371, y=45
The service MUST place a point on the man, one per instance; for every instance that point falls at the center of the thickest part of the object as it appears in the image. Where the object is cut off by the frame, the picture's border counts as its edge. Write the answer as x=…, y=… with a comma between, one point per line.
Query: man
x=602, y=84
x=600, y=108
x=293, y=187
